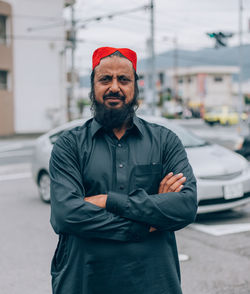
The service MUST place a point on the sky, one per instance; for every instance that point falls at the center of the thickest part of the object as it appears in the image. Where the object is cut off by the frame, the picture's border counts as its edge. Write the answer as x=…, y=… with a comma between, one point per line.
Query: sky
x=186, y=20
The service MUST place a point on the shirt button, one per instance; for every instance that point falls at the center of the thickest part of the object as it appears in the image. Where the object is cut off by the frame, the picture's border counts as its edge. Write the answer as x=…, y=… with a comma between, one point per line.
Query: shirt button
x=121, y=165
x=119, y=145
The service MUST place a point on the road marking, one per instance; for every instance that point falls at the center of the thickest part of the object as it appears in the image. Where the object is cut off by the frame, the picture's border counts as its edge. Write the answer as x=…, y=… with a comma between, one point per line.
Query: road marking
x=220, y=230
x=15, y=177
x=16, y=153
x=15, y=168
x=183, y=257
x=16, y=145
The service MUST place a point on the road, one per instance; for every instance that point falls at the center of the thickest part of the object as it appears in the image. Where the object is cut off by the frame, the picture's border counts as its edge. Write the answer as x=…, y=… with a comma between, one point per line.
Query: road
x=217, y=264
x=217, y=245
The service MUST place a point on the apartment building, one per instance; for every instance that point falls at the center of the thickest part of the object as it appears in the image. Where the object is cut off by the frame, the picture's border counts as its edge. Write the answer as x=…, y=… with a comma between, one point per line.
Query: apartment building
x=32, y=66
x=207, y=85
x=6, y=70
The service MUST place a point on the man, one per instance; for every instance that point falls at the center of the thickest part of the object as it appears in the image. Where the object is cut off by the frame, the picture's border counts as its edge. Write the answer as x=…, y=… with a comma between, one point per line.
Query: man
x=118, y=193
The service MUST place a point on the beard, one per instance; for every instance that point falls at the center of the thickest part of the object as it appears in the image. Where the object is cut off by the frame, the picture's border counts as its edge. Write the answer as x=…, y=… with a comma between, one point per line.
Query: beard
x=113, y=118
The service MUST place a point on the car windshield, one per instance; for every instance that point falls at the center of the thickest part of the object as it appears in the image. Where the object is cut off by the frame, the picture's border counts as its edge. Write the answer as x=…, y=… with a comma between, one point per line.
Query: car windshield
x=188, y=139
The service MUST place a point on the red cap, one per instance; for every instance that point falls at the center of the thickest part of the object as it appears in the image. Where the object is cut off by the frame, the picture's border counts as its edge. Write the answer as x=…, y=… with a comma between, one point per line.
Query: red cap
x=102, y=52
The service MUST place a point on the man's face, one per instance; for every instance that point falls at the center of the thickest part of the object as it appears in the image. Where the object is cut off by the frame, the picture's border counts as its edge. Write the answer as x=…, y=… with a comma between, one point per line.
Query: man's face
x=114, y=82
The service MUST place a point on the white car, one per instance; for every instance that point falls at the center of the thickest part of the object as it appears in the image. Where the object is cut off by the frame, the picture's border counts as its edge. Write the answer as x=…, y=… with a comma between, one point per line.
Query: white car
x=223, y=176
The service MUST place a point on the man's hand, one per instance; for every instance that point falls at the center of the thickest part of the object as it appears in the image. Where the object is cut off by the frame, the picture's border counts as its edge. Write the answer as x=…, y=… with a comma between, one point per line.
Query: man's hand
x=98, y=200
x=171, y=183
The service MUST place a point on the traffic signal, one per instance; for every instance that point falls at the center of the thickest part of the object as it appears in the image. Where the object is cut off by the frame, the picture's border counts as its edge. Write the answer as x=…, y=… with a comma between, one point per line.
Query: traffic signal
x=220, y=38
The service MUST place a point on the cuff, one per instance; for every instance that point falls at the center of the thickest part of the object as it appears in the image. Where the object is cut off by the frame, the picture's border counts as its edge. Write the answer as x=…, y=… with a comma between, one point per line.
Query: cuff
x=117, y=203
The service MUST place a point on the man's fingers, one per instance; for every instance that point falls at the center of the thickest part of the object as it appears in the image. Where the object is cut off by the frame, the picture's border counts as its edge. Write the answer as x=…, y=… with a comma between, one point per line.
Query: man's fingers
x=177, y=184
x=171, y=183
x=163, y=182
x=172, y=180
x=179, y=188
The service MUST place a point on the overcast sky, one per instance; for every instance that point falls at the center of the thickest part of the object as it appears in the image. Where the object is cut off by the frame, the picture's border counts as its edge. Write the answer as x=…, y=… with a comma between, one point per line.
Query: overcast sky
x=188, y=20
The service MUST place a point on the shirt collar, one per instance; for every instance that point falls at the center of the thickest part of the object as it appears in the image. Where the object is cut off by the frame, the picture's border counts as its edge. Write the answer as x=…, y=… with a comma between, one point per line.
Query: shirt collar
x=137, y=124
x=96, y=126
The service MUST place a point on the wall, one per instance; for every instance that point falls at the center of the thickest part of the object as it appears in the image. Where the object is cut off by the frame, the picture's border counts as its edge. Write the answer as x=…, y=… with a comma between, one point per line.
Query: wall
x=39, y=65
x=6, y=64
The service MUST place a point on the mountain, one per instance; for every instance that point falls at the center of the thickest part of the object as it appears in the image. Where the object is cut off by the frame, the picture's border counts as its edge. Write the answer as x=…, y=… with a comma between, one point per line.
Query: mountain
x=208, y=56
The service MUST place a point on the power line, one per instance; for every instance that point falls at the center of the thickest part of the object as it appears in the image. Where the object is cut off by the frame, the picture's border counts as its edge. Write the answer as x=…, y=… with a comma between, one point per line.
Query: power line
x=110, y=15
x=36, y=17
x=39, y=38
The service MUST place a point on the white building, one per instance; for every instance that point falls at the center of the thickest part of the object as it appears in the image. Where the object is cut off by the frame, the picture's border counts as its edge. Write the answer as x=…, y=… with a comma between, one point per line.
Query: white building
x=208, y=85
x=37, y=76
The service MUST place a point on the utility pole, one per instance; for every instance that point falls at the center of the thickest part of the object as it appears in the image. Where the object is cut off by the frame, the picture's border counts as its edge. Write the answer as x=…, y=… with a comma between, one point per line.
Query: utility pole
x=240, y=102
x=70, y=96
x=174, y=81
x=175, y=41
x=152, y=38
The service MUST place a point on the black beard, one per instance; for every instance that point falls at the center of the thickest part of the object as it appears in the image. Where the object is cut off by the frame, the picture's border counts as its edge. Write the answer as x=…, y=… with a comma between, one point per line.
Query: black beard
x=111, y=118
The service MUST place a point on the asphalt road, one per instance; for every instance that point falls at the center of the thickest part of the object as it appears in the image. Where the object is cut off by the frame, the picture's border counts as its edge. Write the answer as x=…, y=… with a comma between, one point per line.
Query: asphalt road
x=217, y=263
x=217, y=245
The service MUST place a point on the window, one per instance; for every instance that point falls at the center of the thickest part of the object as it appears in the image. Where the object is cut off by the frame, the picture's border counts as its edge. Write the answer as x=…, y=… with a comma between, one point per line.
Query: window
x=218, y=79
x=180, y=81
x=189, y=80
x=3, y=80
x=3, y=29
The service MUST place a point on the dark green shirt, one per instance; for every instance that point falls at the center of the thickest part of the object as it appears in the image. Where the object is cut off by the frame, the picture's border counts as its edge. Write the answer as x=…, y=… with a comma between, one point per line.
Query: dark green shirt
x=111, y=250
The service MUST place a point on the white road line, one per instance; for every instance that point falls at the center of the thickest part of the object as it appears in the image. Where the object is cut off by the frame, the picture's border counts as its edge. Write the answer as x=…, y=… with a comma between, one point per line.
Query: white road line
x=14, y=167
x=220, y=230
x=15, y=176
x=16, y=153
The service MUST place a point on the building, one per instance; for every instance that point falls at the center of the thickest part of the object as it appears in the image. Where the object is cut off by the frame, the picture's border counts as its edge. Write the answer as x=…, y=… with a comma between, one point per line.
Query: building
x=207, y=85
x=32, y=66
x=6, y=71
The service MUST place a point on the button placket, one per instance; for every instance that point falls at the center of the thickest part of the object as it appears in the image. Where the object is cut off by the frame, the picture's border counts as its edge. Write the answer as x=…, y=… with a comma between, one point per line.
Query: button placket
x=121, y=171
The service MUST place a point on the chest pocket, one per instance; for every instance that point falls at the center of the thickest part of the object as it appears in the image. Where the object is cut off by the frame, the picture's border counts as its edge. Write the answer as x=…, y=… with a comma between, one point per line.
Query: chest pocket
x=147, y=177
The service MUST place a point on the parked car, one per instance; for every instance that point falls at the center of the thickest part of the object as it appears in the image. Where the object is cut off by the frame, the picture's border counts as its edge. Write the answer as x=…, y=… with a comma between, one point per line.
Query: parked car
x=223, y=176
x=224, y=115
x=244, y=148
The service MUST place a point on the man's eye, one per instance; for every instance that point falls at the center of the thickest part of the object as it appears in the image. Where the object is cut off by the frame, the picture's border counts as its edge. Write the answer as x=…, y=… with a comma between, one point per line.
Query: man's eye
x=104, y=79
x=124, y=79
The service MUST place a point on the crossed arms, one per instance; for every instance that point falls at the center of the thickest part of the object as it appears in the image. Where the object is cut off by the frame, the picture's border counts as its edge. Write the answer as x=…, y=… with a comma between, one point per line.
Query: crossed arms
x=170, y=183
x=119, y=216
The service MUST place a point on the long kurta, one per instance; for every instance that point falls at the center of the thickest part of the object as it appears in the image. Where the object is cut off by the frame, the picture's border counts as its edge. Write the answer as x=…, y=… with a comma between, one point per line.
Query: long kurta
x=111, y=250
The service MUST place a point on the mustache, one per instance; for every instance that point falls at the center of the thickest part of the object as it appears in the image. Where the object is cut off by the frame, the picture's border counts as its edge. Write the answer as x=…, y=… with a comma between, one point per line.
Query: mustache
x=113, y=95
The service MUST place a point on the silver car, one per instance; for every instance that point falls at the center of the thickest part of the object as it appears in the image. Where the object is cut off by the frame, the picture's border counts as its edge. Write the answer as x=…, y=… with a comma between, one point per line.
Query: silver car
x=223, y=176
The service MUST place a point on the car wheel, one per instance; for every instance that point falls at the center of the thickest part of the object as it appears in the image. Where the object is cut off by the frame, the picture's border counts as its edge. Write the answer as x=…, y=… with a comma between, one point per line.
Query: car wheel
x=44, y=187
x=210, y=123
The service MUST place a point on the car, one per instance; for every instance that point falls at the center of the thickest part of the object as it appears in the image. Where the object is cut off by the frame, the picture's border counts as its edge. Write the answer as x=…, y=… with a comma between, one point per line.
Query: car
x=223, y=176
x=244, y=147
x=223, y=115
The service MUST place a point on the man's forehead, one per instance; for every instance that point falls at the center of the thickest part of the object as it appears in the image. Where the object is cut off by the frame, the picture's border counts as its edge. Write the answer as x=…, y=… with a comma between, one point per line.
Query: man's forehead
x=114, y=64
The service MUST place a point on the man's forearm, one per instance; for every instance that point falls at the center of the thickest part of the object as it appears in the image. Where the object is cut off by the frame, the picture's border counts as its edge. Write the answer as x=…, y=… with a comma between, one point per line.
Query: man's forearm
x=98, y=200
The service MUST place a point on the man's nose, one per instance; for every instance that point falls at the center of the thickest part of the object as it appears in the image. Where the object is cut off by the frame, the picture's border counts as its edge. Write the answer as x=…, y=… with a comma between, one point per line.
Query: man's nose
x=114, y=86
